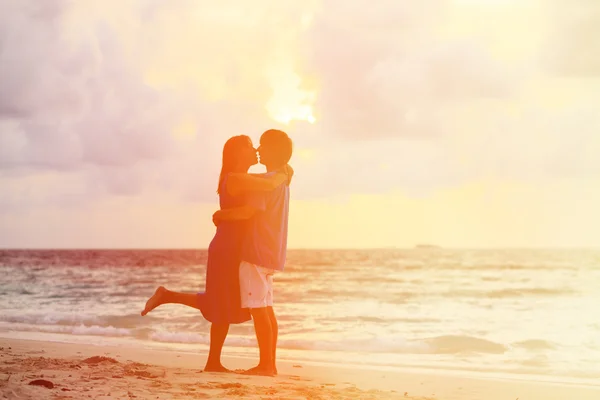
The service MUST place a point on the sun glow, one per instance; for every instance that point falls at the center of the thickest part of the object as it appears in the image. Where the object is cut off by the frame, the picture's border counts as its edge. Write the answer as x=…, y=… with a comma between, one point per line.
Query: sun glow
x=291, y=98
x=288, y=102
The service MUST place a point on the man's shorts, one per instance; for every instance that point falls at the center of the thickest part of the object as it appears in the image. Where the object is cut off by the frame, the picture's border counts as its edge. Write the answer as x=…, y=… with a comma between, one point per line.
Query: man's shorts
x=256, y=285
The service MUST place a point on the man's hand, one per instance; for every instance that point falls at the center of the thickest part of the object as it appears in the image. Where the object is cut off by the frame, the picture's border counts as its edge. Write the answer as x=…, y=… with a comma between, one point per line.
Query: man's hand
x=216, y=217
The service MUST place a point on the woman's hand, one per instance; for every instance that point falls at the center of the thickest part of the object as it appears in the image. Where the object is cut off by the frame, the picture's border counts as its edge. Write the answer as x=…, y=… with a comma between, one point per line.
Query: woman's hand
x=288, y=171
x=216, y=217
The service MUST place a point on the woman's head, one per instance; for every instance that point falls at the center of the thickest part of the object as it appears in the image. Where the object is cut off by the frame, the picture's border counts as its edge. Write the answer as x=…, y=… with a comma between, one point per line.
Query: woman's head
x=238, y=155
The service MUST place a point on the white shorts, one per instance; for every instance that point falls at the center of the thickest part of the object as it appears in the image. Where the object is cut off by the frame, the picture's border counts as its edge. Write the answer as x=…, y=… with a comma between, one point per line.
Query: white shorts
x=256, y=285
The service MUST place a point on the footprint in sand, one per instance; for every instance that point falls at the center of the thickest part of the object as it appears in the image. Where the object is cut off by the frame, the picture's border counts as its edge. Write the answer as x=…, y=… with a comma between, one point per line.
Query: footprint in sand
x=99, y=359
x=298, y=378
x=229, y=385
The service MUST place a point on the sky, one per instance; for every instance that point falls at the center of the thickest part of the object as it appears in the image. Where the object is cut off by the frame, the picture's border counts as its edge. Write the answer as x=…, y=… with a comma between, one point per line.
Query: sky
x=462, y=123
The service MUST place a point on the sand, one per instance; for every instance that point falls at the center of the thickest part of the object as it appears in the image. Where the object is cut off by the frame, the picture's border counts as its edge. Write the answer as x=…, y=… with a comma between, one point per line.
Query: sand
x=77, y=371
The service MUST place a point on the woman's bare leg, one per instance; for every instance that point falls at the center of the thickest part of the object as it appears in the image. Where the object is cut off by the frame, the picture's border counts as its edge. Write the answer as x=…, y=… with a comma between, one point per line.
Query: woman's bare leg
x=218, y=333
x=165, y=296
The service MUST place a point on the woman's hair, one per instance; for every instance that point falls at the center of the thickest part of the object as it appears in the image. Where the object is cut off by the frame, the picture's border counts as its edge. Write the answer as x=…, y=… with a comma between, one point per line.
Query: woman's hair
x=231, y=154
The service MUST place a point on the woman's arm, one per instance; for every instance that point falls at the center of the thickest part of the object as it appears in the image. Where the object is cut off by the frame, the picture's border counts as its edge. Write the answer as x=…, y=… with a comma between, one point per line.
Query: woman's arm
x=234, y=214
x=238, y=183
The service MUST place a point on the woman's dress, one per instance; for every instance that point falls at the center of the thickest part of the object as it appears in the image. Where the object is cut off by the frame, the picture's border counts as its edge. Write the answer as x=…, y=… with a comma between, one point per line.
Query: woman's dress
x=220, y=303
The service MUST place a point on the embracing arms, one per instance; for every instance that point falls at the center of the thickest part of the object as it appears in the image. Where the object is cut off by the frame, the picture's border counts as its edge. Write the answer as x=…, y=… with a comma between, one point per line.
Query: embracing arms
x=239, y=183
x=234, y=214
x=258, y=185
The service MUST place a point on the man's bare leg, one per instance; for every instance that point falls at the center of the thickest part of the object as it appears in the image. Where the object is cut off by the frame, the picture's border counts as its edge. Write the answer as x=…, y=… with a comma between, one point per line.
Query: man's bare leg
x=275, y=333
x=218, y=333
x=264, y=336
x=165, y=296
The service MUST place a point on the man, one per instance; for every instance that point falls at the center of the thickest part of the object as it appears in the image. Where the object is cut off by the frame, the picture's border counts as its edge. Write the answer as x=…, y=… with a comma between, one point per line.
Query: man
x=264, y=250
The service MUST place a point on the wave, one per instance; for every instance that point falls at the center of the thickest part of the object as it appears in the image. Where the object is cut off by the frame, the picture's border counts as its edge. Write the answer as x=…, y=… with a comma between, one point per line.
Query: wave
x=376, y=345
x=381, y=320
x=367, y=345
x=304, y=260
x=464, y=344
x=528, y=292
x=81, y=329
x=535, y=344
x=392, y=345
x=55, y=318
x=510, y=293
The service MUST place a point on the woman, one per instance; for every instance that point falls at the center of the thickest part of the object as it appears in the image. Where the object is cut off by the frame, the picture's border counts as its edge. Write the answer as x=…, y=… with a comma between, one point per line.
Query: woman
x=220, y=303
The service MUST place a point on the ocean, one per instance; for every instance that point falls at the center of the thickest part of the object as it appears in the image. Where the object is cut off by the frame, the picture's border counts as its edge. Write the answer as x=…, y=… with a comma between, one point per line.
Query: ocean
x=520, y=313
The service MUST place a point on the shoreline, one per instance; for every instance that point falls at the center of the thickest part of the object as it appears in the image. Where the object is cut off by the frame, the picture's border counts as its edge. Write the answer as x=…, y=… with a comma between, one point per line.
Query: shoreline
x=288, y=356
x=299, y=356
x=297, y=379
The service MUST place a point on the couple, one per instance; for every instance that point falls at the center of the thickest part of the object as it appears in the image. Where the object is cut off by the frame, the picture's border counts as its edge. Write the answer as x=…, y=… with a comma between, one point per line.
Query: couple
x=248, y=248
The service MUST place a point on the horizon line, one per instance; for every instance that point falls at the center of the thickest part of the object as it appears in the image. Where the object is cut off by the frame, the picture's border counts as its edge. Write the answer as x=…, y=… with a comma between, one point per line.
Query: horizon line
x=414, y=247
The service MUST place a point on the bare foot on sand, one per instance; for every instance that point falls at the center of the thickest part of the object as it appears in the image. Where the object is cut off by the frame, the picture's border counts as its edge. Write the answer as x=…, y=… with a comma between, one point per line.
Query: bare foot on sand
x=259, y=370
x=156, y=300
x=216, y=368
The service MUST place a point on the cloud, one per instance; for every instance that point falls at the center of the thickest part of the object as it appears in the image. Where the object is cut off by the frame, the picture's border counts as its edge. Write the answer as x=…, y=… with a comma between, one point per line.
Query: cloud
x=485, y=142
x=28, y=35
x=138, y=97
x=572, y=47
x=67, y=106
x=384, y=75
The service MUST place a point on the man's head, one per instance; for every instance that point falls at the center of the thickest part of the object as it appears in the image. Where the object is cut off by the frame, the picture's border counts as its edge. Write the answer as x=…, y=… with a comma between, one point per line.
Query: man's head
x=275, y=149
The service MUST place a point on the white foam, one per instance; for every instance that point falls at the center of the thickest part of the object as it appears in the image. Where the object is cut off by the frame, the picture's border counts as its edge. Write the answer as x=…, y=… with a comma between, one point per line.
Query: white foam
x=81, y=329
x=100, y=330
x=370, y=345
x=48, y=318
x=178, y=337
x=378, y=345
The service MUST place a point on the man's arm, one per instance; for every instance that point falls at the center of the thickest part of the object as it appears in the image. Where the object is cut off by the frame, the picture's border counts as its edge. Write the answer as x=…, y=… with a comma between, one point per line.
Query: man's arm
x=238, y=183
x=234, y=214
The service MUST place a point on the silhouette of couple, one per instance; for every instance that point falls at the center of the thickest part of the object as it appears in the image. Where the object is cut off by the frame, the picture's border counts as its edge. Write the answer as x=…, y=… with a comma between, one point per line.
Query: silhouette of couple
x=248, y=248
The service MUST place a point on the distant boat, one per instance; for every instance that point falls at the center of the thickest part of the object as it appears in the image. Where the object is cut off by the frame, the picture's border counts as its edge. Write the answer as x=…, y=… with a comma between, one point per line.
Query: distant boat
x=427, y=246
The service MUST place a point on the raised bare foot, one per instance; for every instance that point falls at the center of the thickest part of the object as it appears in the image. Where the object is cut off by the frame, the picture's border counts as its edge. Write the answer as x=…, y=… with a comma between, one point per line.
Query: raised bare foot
x=216, y=368
x=156, y=300
x=260, y=370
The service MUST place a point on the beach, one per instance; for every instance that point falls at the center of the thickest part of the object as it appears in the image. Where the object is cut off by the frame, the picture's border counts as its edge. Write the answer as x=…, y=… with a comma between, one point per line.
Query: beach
x=443, y=324
x=79, y=371
x=494, y=311
x=435, y=236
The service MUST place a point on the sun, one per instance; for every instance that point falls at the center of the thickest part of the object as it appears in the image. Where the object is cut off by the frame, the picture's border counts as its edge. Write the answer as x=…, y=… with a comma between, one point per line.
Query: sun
x=286, y=115
x=288, y=101
x=292, y=97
